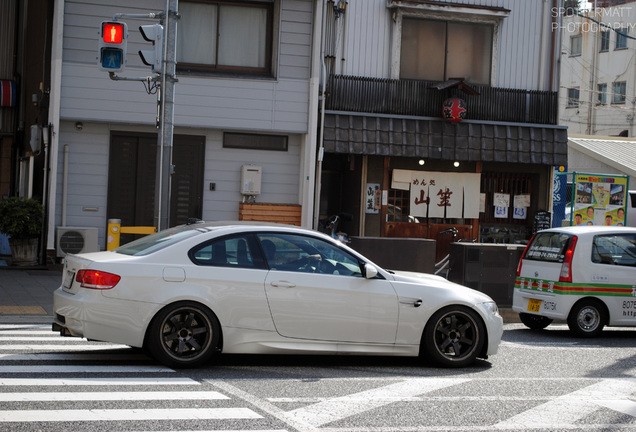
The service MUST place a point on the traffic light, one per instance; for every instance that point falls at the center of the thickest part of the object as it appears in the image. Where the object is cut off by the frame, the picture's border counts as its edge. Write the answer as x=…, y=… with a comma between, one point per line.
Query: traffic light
x=113, y=40
x=153, y=57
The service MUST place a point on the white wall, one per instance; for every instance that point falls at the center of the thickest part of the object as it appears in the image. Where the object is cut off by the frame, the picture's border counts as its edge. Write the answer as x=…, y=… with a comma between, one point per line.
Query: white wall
x=522, y=54
x=88, y=155
x=593, y=67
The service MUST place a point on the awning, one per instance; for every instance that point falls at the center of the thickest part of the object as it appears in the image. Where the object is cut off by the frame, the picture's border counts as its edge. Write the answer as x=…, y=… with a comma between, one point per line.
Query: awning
x=437, y=139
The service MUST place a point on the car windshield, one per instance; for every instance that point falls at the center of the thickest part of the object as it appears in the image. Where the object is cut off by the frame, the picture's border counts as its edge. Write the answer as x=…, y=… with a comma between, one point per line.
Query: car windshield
x=154, y=242
x=548, y=246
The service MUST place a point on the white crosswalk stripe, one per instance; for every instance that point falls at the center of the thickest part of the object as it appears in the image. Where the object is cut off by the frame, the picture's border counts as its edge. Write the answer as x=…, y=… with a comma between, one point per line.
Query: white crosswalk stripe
x=59, y=381
x=61, y=364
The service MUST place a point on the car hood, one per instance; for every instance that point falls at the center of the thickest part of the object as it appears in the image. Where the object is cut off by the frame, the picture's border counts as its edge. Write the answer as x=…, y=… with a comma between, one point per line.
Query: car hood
x=412, y=283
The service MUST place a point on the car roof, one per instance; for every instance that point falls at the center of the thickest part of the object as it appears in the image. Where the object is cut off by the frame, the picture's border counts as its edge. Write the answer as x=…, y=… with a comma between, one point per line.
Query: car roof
x=592, y=230
x=231, y=226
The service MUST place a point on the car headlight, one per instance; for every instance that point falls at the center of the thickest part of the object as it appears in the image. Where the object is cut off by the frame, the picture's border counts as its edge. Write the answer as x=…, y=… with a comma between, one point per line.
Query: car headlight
x=491, y=307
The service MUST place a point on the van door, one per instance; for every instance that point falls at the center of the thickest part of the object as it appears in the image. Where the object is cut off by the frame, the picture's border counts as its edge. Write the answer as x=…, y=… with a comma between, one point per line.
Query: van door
x=544, y=257
x=613, y=268
x=631, y=209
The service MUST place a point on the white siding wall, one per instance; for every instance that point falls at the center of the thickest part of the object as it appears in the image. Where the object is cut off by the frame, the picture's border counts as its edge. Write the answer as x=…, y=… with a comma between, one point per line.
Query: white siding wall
x=87, y=173
x=520, y=61
x=87, y=167
x=367, y=39
x=203, y=106
x=607, y=119
x=281, y=175
x=278, y=104
x=583, y=163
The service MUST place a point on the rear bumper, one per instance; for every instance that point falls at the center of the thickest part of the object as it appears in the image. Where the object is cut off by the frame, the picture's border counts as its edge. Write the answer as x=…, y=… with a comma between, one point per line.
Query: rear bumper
x=90, y=315
x=553, y=306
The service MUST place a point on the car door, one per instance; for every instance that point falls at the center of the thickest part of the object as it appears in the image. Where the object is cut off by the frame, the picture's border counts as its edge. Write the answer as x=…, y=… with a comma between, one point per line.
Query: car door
x=613, y=270
x=231, y=270
x=317, y=291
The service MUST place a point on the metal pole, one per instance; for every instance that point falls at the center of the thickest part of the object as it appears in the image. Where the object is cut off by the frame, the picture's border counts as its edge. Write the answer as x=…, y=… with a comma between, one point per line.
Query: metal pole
x=165, y=100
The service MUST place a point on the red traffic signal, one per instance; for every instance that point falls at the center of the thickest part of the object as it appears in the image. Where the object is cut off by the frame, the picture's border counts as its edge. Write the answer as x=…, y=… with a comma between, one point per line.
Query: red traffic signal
x=112, y=33
x=113, y=40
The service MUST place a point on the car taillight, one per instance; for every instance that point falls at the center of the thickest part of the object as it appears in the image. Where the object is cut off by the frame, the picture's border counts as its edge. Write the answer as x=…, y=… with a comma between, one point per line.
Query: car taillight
x=566, y=267
x=523, y=255
x=95, y=279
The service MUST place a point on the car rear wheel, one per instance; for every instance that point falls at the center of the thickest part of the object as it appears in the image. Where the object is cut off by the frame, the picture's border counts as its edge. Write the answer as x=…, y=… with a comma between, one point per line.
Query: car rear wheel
x=454, y=336
x=535, y=322
x=587, y=318
x=184, y=334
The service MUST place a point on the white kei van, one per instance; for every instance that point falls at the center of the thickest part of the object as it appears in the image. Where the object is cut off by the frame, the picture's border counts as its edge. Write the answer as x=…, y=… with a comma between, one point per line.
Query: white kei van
x=631, y=209
x=583, y=274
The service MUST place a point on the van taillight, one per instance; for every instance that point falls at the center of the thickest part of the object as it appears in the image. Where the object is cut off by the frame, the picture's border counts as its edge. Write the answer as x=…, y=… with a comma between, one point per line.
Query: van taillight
x=566, y=267
x=523, y=256
x=96, y=279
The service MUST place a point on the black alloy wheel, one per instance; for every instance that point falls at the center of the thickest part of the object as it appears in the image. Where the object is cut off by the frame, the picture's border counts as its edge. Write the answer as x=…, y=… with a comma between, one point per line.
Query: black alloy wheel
x=183, y=335
x=454, y=336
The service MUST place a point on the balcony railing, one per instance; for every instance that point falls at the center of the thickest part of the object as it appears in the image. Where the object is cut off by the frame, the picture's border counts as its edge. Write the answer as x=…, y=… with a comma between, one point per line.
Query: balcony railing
x=419, y=98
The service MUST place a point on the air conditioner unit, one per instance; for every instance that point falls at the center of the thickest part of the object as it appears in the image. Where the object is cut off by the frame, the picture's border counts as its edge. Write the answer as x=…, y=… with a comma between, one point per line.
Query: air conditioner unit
x=74, y=240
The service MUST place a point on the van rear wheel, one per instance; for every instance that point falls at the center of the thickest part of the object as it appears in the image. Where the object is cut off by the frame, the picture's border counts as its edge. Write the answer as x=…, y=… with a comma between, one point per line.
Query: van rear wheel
x=535, y=322
x=587, y=318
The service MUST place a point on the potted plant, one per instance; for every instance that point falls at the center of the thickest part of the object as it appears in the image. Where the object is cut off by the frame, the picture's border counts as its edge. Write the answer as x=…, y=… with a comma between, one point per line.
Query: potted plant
x=21, y=220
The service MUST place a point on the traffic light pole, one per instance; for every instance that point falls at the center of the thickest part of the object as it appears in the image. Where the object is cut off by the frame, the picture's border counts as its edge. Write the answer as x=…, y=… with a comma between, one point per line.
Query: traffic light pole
x=165, y=80
x=165, y=101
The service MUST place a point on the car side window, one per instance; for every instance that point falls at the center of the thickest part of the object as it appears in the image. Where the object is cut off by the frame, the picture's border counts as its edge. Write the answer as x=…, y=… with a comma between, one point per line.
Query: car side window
x=614, y=249
x=236, y=251
x=299, y=253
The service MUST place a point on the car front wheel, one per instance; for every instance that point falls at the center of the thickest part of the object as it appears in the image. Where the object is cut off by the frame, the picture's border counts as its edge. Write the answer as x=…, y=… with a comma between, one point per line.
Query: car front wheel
x=184, y=334
x=534, y=322
x=587, y=318
x=454, y=336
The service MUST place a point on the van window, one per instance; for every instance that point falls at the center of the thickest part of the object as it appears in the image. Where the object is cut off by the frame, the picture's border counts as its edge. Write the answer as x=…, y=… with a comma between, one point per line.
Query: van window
x=615, y=249
x=549, y=246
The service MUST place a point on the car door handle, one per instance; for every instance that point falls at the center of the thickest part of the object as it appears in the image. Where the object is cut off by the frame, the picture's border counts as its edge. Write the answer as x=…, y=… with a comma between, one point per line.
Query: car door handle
x=282, y=284
x=416, y=303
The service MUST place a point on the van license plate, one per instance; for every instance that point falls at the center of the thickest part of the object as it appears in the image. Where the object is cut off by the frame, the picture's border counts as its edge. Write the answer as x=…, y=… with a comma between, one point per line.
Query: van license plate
x=534, y=305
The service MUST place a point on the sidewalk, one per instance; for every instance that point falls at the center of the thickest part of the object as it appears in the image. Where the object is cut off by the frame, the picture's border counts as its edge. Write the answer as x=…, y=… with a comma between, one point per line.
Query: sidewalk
x=28, y=294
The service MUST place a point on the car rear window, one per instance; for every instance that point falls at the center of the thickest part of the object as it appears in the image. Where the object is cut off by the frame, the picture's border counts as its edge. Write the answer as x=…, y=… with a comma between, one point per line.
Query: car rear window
x=614, y=249
x=548, y=246
x=154, y=242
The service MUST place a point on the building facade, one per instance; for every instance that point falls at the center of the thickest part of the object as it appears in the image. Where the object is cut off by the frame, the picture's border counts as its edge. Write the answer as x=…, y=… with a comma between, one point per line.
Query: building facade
x=395, y=157
x=598, y=79
x=245, y=97
x=413, y=116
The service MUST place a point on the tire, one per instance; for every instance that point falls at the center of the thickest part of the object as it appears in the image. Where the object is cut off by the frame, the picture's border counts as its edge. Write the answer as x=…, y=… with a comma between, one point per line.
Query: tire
x=184, y=335
x=454, y=336
x=535, y=322
x=587, y=318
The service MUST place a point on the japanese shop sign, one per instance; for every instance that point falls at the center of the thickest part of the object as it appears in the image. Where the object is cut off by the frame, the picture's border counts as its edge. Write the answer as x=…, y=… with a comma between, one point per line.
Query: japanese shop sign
x=373, y=198
x=440, y=194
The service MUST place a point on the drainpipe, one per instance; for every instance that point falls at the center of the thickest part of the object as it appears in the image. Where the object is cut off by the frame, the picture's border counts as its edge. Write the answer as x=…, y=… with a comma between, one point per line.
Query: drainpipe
x=54, y=115
x=65, y=185
x=321, y=132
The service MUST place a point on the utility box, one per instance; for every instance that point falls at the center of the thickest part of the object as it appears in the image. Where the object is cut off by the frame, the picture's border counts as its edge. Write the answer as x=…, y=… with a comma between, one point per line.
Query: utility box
x=486, y=267
x=251, y=180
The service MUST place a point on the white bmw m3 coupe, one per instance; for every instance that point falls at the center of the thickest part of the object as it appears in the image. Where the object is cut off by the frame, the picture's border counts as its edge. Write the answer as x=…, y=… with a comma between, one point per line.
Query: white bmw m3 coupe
x=196, y=291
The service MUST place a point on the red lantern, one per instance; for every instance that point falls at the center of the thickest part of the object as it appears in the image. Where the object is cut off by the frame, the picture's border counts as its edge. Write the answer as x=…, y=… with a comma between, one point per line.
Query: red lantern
x=454, y=110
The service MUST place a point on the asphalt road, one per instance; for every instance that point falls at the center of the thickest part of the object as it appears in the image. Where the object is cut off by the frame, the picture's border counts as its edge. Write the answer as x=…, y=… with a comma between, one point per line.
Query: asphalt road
x=543, y=381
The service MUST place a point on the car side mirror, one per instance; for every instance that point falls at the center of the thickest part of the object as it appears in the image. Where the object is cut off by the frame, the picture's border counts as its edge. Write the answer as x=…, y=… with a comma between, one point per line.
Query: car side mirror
x=370, y=271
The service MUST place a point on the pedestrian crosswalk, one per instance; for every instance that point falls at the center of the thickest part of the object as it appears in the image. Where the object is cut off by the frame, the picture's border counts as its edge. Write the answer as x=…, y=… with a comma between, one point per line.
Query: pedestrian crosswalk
x=48, y=382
